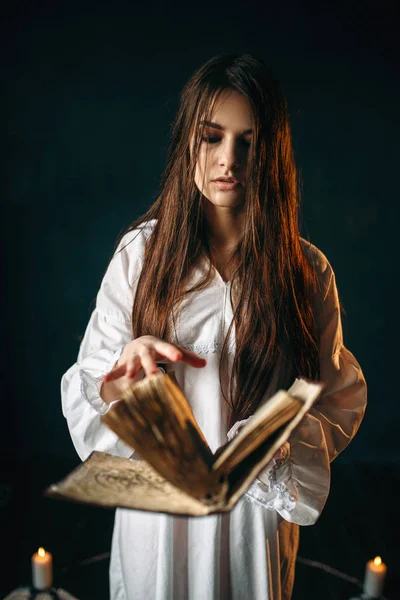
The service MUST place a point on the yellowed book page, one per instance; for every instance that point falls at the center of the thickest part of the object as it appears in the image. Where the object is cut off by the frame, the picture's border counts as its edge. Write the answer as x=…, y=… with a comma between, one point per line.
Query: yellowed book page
x=155, y=419
x=240, y=479
x=281, y=408
x=112, y=481
x=267, y=419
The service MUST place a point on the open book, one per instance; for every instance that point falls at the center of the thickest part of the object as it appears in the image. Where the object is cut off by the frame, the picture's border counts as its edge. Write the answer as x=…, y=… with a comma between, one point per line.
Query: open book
x=173, y=470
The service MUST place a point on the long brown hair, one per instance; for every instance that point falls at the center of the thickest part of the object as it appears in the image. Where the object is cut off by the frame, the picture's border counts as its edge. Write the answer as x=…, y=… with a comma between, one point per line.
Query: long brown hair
x=275, y=282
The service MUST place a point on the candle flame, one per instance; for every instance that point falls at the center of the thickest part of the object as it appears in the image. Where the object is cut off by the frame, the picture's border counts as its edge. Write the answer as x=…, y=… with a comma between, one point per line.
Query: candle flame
x=377, y=560
x=42, y=552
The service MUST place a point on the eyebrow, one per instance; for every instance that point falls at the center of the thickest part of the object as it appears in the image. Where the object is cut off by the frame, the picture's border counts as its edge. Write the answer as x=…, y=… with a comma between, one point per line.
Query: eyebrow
x=217, y=126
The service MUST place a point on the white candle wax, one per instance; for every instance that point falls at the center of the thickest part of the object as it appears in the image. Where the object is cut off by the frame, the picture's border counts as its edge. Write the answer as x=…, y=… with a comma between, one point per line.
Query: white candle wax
x=42, y=570
x=375, y=574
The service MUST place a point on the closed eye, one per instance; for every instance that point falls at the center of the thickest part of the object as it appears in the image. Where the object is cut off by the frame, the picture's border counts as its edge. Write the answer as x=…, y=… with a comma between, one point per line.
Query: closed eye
x=210, y=140
x=214, y=140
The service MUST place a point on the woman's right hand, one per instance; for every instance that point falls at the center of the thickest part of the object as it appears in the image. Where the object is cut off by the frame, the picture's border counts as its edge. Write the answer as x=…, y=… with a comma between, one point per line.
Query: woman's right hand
x=144, y=353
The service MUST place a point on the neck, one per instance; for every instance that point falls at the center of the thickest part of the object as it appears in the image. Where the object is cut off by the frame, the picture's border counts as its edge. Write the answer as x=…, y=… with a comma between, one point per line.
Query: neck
x=225, y=225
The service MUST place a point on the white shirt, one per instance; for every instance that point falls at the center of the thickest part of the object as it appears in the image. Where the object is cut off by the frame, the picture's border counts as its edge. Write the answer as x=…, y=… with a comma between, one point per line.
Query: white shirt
x=235, y=555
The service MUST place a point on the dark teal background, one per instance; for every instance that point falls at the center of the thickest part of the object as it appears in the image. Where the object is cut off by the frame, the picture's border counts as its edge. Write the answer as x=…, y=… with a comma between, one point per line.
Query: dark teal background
x=89, y=94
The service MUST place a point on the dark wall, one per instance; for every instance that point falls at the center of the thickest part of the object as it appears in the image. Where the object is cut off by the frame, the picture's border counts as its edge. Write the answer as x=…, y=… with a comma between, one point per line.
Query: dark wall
x=89, y=95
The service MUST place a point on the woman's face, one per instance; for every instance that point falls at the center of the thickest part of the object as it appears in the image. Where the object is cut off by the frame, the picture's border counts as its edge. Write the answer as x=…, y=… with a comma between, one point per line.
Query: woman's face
x=224, y=151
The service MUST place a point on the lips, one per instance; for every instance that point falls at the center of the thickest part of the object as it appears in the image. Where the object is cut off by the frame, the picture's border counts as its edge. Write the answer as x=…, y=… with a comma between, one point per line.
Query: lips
x=226, y=185
x=226, y=180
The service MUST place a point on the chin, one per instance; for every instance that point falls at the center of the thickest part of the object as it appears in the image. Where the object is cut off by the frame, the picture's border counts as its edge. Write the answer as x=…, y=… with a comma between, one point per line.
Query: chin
x=224, y=201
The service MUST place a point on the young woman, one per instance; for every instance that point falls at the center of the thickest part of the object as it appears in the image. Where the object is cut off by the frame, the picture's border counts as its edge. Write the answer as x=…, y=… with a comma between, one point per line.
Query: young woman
x=215, y=283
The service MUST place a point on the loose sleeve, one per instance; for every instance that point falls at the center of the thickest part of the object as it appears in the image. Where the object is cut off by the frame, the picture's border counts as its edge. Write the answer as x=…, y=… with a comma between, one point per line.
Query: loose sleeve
x=107, y=333
x=296, y=484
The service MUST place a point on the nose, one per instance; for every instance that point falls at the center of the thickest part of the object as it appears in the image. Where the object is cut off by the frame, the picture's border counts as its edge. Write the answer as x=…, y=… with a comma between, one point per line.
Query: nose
x=229, y=155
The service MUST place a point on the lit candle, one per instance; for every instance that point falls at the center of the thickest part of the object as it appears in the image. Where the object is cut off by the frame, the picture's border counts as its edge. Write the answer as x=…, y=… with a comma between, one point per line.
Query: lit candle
x=375, y=573
x=42, y=570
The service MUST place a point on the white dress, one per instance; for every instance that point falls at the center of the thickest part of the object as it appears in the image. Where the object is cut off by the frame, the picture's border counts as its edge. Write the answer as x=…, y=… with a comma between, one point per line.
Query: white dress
x=246, y=554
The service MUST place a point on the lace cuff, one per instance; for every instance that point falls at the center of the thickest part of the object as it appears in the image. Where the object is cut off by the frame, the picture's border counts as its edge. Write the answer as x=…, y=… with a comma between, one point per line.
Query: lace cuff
x=276, y=497
x=267, y=492
x=91, y=384
x=234, y=430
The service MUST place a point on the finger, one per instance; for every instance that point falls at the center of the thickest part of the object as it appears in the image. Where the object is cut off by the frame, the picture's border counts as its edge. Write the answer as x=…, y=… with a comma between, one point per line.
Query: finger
x=115, y=373
x=147, y=359
x=168, y=351
x=133, y=366
x=177, y=353
x=193, y=359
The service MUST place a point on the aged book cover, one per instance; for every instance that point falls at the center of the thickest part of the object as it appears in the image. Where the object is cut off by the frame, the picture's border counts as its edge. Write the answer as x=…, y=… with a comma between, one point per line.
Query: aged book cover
x=173, y=470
